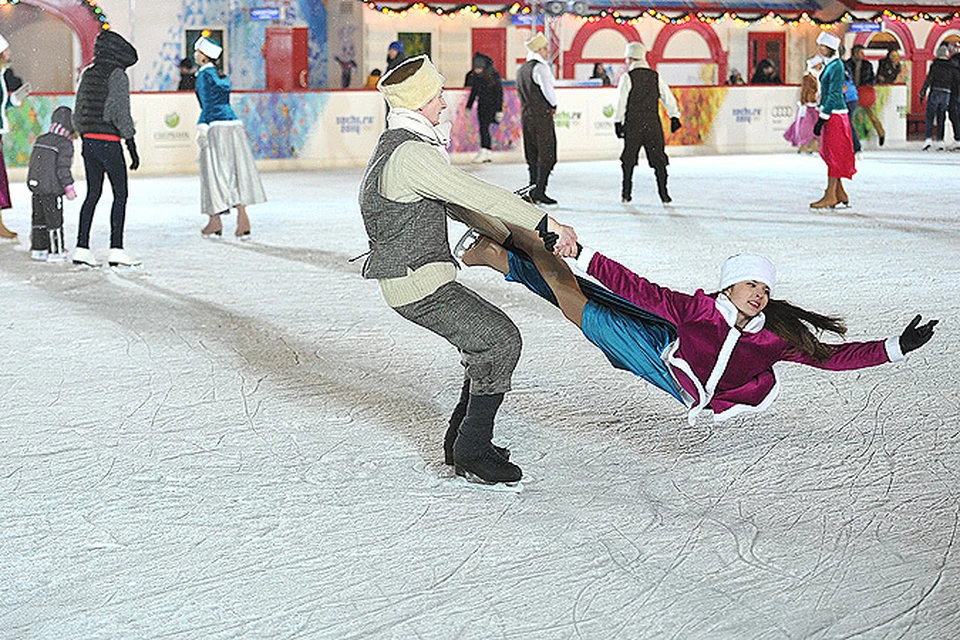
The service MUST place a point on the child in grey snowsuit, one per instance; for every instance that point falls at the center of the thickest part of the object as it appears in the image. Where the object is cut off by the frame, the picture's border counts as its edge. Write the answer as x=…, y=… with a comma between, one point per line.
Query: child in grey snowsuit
x=49, y=178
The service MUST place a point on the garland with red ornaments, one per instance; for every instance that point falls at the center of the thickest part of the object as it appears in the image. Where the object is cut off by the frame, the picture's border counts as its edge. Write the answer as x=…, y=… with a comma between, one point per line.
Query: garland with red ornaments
x=625, y=15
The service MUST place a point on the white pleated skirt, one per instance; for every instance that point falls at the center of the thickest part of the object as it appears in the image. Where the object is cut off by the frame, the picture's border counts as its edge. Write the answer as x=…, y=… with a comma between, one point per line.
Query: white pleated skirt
x=228, y=174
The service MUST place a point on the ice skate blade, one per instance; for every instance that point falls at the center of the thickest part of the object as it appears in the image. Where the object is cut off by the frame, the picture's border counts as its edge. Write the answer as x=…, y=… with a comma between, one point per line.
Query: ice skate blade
x=466, y=242
x=468, y=480
x=474, y=481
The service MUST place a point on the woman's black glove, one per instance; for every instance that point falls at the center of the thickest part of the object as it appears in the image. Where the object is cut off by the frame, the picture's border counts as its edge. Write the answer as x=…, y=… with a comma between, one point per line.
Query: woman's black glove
x=818, y=127
x=914, y=336
x=618, y=129
x=675, y=124
x=132, y=150
x=549, y=237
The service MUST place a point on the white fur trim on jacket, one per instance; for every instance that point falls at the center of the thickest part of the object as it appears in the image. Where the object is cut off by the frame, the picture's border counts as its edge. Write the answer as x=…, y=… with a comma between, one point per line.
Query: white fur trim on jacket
x=892, y=345
x=705, y=391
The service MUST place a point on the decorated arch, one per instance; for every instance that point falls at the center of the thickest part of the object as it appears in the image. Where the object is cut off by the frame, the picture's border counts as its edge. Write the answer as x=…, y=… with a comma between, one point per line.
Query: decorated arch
x=911, y=53
x=575, y=54
x=84, y=17
x=717, y=54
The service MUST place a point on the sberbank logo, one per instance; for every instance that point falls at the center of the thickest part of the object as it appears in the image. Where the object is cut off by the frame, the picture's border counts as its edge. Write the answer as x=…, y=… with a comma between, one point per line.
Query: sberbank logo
x=172, y=120
x=608, y=110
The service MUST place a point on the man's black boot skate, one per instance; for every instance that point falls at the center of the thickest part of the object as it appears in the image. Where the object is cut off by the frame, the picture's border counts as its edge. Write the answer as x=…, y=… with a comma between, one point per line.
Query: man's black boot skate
x=456, y=420
x=661, y=173
x=540, y=192
x=626, y=188
x=473, y=454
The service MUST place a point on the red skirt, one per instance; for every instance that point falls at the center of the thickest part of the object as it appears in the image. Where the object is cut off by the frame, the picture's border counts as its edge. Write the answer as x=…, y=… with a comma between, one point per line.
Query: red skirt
x=836, y=147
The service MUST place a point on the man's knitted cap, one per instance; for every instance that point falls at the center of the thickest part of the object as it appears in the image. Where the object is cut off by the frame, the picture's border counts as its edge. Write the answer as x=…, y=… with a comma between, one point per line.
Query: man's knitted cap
x=411, y=84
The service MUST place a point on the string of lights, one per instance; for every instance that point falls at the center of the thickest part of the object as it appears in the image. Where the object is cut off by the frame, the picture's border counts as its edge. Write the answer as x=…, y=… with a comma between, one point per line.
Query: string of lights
x=97, y=13
x=622, y=16
x=90, y=4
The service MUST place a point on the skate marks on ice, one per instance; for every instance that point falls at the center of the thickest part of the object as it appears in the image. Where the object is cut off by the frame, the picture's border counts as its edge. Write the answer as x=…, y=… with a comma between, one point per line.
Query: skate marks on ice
x=303, y=255
x=332, y=361
x=270, y=492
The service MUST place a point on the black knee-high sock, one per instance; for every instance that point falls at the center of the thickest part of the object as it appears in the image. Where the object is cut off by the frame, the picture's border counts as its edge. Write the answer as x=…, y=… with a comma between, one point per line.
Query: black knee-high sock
x=476, y=430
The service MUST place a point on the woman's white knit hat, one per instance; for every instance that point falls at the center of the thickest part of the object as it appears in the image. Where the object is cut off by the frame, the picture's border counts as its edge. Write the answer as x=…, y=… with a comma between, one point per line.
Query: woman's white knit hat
x=747, y=266
x=635, y=51
x=208, y=47
x=536, y=43
x=411, y=84
x=828, y=39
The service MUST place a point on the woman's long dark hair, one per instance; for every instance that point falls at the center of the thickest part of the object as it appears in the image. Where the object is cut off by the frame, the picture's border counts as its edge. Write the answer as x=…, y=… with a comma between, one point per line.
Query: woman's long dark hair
x=794, y=324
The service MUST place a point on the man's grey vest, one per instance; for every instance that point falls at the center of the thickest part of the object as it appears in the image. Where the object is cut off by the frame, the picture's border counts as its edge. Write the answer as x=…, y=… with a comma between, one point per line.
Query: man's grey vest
x=403, y=235
x=531, y=97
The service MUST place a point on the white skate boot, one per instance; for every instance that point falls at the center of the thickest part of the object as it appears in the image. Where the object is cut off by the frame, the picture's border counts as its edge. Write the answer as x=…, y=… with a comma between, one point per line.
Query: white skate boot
x=84, y=256
x=119, y=258
x=483, y=156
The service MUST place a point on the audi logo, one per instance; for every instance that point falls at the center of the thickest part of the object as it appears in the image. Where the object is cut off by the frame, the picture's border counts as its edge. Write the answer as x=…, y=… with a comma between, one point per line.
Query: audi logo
x=781, y=112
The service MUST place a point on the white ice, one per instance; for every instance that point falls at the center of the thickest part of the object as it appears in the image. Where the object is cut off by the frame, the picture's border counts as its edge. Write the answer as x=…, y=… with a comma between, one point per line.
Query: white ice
x=242, y=440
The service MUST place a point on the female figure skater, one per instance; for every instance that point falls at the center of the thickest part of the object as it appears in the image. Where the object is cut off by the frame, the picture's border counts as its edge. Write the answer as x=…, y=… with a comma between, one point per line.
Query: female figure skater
x=800, y=131
x=836, y=142
x=720, y=350
x=228, y=175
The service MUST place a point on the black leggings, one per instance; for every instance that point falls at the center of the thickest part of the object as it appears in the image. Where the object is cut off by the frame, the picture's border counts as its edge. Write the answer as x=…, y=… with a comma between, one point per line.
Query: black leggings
x=103, y=157
x=486, y=142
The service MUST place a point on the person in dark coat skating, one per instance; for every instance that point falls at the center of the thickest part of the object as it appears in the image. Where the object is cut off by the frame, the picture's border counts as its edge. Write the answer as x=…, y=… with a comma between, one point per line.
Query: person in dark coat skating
x=486, y=89
x=637, y=120
x=941, y=82
x=538, y=102
x=953, y=109
x=102, y=118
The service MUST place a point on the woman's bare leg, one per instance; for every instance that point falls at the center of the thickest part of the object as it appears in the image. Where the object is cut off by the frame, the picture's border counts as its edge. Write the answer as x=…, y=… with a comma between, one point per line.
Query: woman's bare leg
x=485, y=252
x=554, y=270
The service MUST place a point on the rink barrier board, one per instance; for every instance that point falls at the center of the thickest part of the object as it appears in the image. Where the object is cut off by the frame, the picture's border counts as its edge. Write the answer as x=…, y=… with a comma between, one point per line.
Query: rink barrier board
x=328, y=129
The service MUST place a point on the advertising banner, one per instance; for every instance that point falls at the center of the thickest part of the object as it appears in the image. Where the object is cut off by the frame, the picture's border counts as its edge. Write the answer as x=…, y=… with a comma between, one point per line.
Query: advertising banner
x=316, y=129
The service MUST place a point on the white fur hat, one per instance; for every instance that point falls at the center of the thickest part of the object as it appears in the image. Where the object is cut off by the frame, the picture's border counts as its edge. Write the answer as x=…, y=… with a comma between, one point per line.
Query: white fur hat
x=208, y=47
x=635, y=51
x=4, y=45
x=828, y=39
x=813, y=63
x=747, y=266
x=411, y=84
x=537, y=42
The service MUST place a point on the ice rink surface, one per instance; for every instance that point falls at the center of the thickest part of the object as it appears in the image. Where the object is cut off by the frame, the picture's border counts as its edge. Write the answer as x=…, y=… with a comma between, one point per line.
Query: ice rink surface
x=242, y=440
